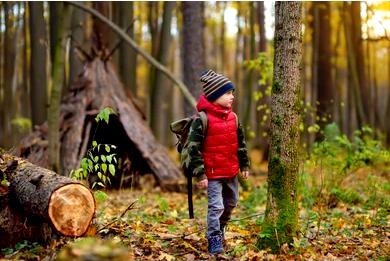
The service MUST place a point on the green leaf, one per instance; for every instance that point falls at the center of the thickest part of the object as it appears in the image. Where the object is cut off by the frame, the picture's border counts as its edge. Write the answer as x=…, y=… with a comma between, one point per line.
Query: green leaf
x=109, y=158
x=107, y=148
x=96, y=167
x=104, y=167
x=103, y=158
x=101, y=184
x=90, y=165
x=84, y=164
x=94, y=143
x=99, y=175
x=95, y=159
x=111, y=168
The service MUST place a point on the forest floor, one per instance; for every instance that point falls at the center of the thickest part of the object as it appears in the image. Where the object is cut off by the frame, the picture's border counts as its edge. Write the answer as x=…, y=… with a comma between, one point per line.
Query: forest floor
x=149, y=224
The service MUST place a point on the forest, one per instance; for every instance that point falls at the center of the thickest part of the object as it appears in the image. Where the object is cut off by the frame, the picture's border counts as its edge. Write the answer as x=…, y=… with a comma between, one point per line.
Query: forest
x=91, y=170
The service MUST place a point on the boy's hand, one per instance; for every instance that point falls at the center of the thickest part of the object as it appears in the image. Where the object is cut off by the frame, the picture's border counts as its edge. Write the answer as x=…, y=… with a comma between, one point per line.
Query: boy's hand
x=245, y=174
x=202, y=183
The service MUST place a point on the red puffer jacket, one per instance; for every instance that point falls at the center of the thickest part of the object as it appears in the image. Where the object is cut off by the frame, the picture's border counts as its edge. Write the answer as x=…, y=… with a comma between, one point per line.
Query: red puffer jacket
x=221, y=144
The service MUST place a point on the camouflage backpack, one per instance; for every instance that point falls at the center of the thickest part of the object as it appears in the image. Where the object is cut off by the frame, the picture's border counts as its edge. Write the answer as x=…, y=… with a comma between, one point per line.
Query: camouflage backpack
x=182, y=130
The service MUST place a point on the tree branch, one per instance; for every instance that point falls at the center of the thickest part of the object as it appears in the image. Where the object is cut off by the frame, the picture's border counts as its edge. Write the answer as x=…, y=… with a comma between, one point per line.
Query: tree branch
x=138, y=49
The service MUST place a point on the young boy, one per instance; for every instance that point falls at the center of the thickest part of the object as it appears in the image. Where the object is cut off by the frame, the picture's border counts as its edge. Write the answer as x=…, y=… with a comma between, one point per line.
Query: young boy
x=217, y=157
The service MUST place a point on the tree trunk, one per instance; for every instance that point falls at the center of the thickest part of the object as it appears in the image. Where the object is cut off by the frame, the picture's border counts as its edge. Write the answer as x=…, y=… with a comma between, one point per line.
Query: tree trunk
x=387, y=122
x=67, y=206
x=54, y=12
x=263, y=141
x=193, y=53
x=238, y=58
x=357, y=46
x=56, y=85
x=38, y=64
x=127, y=56
x=78, y=29
x=26, y=105
x=158, y=110
x=222, y=38
x=324, y=75
x=354, y=83
x=249, y=77
x=101, y=32
x=281, y=216
x=15, y=226
x=8, y=71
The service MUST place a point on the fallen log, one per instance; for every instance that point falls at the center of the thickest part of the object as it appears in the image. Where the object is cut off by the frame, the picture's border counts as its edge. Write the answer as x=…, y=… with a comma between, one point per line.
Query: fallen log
x=15, y=226
x=42, y=195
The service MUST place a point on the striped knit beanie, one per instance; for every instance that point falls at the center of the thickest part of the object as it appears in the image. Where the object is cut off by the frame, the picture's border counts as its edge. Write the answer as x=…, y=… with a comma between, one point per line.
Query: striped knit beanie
x=215, y=85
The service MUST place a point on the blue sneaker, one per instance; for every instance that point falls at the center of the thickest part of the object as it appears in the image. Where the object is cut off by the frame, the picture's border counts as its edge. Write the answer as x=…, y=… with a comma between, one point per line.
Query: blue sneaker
x=215, y=245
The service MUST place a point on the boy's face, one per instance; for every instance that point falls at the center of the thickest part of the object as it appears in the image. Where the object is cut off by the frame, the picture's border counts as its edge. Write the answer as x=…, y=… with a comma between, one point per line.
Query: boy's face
x=225, y=100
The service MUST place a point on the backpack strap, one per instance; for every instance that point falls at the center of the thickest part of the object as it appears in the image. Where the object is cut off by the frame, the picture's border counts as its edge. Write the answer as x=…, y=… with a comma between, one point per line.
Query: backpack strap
x=203, y=118
x=235, y=115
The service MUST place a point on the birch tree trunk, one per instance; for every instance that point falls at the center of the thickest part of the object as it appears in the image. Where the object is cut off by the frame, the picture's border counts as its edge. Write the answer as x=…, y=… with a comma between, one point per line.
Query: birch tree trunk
x=281, y=216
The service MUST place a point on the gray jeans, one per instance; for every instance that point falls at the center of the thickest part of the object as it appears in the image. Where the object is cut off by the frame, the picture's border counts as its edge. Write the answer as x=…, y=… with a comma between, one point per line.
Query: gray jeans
x=222, y=198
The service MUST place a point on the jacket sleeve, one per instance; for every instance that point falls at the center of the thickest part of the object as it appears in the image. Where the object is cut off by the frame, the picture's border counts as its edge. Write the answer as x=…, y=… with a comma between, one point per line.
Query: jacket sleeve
x=242, y=149
x=195, y=143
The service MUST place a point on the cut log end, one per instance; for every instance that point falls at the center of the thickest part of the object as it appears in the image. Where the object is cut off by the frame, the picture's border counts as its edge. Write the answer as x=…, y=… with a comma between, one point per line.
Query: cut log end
x=71, y=209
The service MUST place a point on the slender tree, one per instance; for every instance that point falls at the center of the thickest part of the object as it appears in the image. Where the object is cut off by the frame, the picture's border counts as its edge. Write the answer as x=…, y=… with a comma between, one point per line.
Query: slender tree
x=77, y=41
x=322, y=35
x=62, y=33
x=281, y=216
x=360, y=59
x=8, y=70
x=127, y=56
x=38, y=72
x=158, y=111
x=250, y=85
x=355, y=103
x=193, y=55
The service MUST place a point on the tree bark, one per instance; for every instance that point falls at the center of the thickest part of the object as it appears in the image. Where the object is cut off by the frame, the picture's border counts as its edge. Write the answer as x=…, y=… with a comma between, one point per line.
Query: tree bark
x=193, y=53
x=250, y=84
x=39, y=90
x=357, y=46
x=159, y=106
x=324, y=87
x=78, y=27
x=354, y=82
x=67, y=206
x=56, y=85
x=387, y=122
x=8, y=71
x=127, y=56
x=101, y=31
x=281, y=216
x=15, y=226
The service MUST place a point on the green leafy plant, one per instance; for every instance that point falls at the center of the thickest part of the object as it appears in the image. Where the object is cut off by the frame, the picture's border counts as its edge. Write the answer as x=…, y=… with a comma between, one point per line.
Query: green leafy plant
x=99, y=159
x=336, y=158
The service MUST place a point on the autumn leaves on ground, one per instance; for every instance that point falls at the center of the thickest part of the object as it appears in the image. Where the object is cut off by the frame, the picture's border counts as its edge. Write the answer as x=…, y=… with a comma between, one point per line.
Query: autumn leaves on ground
x=348, y=220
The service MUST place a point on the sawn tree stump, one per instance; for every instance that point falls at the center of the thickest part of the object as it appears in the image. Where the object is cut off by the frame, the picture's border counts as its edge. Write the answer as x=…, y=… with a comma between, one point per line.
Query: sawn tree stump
x=68, y=206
